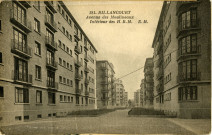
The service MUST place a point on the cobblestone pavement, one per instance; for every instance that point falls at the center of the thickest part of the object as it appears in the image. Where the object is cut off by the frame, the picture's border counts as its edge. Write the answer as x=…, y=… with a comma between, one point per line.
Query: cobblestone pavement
x=117, y=122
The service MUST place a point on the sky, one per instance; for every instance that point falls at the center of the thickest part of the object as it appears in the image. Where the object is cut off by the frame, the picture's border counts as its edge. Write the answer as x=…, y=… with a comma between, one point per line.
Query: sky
x=125, y=45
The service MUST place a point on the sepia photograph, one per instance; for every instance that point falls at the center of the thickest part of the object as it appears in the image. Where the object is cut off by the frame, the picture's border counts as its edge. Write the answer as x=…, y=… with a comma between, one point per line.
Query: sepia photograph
x=90, y=67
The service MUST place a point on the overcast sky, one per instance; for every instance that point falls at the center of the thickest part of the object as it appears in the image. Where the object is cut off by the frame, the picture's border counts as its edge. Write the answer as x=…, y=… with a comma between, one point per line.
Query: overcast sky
x=125, y=45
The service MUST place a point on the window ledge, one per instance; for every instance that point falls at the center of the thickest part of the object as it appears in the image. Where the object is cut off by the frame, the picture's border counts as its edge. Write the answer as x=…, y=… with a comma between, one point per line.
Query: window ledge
x=38, y=79
x=1, y=97
x=37, y=54
x=38, y=32
x=1, y=64
x=39, y=104
x=22, y=103
x=52, y=104
x=37, y=9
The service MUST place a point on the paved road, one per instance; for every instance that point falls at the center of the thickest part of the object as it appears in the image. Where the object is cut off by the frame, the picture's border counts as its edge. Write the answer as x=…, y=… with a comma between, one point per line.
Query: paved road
x=117, y=122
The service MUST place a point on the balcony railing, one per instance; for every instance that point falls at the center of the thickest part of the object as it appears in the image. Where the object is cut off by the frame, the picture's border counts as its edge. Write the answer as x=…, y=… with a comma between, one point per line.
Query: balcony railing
x=86, y=93
x=51, y=64
x=77, y=63
x=104, y=68
x=78, y=76
x=186, y=54
x=21, y=49
x=50, y=5
x=21, y=23
x=50, y=43
x=26, y=4
x=187, y=25
x=86, y=69
x=77, y=49
x=184, y=4
x=182, y=77
x=52, y=85
x=22, y=78
x=78, y=91
x=51, y=23
x=86, y=81
x=86, y=58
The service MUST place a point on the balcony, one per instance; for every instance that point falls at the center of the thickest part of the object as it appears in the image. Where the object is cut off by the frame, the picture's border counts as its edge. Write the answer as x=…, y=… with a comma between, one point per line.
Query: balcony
x=50, y=43
x=183, y=78
x=182, y=56
x=104, y=82
x=86, y=47
x=77, y=63
x=77, y=49
x=86, y=93
x=160, y=60
x=21, y=23
x=26, y=4
x=76, y=35
x=52, y=85
x=52, y=64
x=86, y=58
x=50, y=5
x=50, y=23
x=188, y=25
x=20, y=49
x=104, y=68
x=86, y=69
x=86, y=81
x=78, y=76
x=159, y=74
x=78, y=91
x=22, y=78
x=185, y=4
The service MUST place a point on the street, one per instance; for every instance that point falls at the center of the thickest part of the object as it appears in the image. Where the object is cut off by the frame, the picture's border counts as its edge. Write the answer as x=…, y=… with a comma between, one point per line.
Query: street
x=117, y=122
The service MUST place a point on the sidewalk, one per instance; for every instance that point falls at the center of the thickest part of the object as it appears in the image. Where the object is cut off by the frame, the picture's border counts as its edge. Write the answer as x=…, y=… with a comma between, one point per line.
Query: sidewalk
x=197, y=126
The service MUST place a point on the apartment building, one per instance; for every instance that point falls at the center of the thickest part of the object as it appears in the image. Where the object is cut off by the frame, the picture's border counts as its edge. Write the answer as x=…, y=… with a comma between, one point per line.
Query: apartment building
x=105, y=79
x=137, y=98
x=126, y=99
x=148, y=83
x=47, y=62
x=120, y=93
x=142, y=86
x=182, y=59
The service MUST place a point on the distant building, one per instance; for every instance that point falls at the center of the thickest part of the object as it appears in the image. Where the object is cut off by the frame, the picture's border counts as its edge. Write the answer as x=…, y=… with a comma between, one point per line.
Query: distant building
x=105, y=80
x=137, y=98
x=182, y=59
x=148, y=83
x=142, y=86
x=126, y=99
x=120, y=93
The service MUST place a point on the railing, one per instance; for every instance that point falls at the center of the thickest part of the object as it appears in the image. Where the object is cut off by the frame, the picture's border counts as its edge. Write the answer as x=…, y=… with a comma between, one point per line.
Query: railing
x=21, y=23
x=78, y=76
x=20, y=77
x=49, y=41
x=77, y=49
x=50, y=4
x=183, y=77
x=196, y=52
x=21, y=48
x=51, y=63
x=51, y=84
x=187, y=25
x=77, y=63
x=51, y=23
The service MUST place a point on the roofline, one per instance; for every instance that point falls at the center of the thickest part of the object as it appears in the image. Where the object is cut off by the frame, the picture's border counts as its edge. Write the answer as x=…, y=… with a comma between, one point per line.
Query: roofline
x=75, y=22
x=107, y=62
x=158, y=25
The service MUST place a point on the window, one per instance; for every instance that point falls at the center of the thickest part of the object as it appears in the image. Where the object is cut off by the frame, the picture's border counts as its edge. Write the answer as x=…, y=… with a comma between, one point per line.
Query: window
x=1, y=91
x=70, y=22
x=188, y=19
x=64, y=46
x=64, y=63
x=70, y=37
x=38, y=72
x=67, y=34
x=50, y=57
x=36, y=25
x=82, y=87
x=77, y=99
x=37, y=5
x=67, y=49
x=70, y=67
x=71, y=83
x=61, y=98
x=188, y=70
x=60, y=61
x=188, y=44
x=82, y=100
x=67, y=65
x=187, y=93
x=63, y=29
x=37, y=48
x=19, y=13
x=70, y=52
x=75, y=30
x=1, y=57
x=61, y=79
x=49, y=16
x=69, y=99
x=60, y=43
x=64, y=80
x=0, y=26
x=65, y=98
x=50, y=78
x=49, y=37
x=72, y=99
x=19, y=41
x=38, y=96
x=59, y=8
x=21, y=70
x=63, y=13
x=67, y=81
x=39, y=116
x=51, y=98
x=21, y=95
x=17, y=117
x=66, y=17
